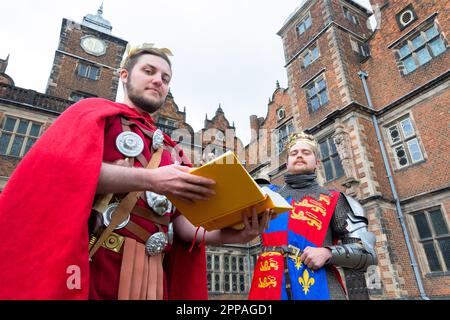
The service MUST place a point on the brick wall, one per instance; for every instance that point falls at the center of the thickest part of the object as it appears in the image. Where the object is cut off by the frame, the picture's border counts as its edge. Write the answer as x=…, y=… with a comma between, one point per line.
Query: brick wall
x=386, y=83
x=64, y=79
x=262, y=150
x=430, y=117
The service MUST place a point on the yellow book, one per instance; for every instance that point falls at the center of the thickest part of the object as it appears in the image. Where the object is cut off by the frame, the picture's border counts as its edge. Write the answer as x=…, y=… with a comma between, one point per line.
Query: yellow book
x=236, y=192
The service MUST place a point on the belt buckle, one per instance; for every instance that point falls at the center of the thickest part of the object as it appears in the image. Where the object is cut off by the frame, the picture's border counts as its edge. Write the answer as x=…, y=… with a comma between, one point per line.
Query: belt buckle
x=114, y=242
x=293, y=252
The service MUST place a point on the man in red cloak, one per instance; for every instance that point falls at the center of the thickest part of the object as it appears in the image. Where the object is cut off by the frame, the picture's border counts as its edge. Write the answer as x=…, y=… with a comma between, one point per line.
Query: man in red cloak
x=46, y=205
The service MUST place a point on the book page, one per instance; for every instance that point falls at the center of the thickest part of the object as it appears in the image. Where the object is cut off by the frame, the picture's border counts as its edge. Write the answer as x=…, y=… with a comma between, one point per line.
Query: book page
x=276, y=198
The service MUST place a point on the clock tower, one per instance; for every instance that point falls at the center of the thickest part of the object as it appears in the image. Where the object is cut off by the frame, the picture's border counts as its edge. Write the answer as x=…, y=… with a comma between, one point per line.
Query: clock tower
x=87, y=60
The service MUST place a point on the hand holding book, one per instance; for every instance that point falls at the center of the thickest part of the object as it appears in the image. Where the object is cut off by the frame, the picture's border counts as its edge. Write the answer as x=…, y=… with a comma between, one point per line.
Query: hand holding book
x=235, y=194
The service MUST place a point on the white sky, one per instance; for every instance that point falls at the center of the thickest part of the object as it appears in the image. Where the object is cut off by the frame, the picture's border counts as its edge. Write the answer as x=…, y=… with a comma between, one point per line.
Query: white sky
x=224, y=51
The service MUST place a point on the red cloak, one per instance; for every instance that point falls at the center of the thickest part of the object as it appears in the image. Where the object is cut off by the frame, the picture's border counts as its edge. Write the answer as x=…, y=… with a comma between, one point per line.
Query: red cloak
x=44, y=211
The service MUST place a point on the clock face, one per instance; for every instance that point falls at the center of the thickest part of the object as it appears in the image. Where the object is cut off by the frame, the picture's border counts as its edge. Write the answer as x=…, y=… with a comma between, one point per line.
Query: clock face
x=93, y=46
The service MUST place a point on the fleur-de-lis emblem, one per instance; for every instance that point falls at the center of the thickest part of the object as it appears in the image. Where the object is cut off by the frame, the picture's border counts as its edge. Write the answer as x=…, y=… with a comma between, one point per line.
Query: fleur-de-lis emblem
x=306, y=281
x=267, y=282
x=298, y=262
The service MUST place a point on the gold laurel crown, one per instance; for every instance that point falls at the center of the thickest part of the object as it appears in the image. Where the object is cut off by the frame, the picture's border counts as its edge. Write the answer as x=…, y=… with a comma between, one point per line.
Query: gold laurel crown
x=131, y=51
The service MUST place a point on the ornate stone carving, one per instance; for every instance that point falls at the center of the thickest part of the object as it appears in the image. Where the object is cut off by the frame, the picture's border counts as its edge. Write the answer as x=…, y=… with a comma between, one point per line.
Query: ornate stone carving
x=343, y=144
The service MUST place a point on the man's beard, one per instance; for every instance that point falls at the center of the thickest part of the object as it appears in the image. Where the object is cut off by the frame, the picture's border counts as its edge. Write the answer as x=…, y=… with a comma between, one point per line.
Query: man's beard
x=141, y=102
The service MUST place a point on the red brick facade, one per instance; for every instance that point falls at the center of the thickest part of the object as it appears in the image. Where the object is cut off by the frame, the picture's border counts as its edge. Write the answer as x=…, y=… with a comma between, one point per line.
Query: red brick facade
x=413, y=103
x=345, y=117
x=64, y=78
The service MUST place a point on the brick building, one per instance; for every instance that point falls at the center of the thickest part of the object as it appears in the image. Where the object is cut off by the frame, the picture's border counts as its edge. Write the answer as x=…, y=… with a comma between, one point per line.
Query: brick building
x=375, y=101
x=346, y=84
x=92, y=55
x=86, y=65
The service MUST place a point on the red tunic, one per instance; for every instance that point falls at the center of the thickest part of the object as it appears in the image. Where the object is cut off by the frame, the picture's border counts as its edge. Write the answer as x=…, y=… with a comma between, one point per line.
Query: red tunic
x=105, y=267
x=44, y=210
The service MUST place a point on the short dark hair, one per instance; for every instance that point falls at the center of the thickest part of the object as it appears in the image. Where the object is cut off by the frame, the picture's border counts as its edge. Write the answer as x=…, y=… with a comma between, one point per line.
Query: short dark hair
x=133, y=57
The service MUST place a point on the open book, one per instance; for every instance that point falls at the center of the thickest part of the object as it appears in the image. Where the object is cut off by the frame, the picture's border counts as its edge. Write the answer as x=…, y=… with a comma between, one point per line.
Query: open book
x=236, y=192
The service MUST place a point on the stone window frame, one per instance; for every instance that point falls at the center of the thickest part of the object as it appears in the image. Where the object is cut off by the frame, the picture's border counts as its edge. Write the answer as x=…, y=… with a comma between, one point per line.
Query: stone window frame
x=209, y=258
x=165, y=126
x=290, y=128
x=282, y=116
x=82, y=95
x=362, y=50
x=309, y=52
x=305, y=18
x=432, y=238
x=403, y=141
x=14, y=134
x=406, y=50
x=214, y=272
x=89, y=67
x=321, y=135
x=234, y=276
x=217, y=277
x=350, y=15
x=408, y=9
x=315, y=83
x=332, y=156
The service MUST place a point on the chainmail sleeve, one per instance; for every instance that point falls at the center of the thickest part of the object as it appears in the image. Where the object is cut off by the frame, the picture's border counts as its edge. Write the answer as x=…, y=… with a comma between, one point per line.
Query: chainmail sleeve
x=339, y=219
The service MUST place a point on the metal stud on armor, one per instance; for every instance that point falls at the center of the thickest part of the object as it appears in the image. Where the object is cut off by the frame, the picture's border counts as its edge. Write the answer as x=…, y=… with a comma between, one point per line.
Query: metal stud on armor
x=158, y=140
x=156, y=244
x=107, y=216
x=159, y=204
x=130, y=144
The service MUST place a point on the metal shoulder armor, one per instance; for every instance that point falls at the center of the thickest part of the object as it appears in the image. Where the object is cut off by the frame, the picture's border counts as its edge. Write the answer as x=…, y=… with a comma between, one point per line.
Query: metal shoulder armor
x=360, y=254
x=357, y=225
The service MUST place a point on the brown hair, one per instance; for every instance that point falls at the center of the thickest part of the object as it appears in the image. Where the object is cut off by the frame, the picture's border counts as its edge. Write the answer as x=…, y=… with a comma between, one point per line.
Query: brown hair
x=133, y=57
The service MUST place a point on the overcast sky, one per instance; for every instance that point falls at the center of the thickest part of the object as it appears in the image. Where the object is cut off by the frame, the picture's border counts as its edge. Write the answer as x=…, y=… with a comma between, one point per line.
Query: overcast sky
x=224, y=51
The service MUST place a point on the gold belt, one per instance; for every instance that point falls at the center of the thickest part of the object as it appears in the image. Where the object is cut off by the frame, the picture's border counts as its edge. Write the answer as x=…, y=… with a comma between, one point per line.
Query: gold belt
x=113, y=242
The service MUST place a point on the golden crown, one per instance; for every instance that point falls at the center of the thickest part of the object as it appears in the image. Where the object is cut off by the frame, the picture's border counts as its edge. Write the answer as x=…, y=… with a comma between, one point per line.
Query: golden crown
x=131, y=51
x=307, y=138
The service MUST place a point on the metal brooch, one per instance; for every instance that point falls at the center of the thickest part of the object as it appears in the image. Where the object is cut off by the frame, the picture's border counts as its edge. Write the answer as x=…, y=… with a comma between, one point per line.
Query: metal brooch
x=130, y=144
x=158, y=203
x=158, y=140
x=107, y=216
x=156, y=244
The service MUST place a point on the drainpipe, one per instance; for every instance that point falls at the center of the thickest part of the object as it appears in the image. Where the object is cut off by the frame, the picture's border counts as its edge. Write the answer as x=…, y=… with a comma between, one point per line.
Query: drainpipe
x=363, y=75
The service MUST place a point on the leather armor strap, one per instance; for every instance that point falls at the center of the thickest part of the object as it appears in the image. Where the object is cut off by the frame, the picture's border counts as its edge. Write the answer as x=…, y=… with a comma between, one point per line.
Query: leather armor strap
x=124, y=129
x=145, y=132
x=102, y=202
x=150, y=215
x=287, y=278
x=126, y=122
x=125, y=206
x=138, y=231
x=140, y=158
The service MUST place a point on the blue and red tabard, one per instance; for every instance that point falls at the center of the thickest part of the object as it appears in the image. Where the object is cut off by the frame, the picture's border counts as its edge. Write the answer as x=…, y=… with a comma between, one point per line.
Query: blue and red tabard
x=304, y=226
